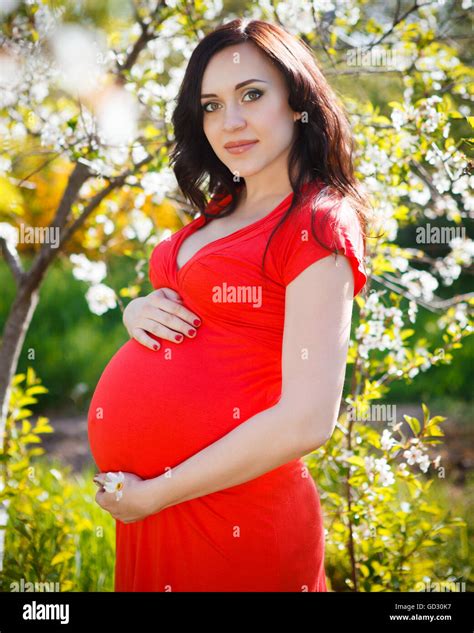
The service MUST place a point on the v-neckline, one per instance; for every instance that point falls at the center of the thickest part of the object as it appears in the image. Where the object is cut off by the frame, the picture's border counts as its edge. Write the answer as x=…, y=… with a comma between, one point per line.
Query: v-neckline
x=198, y=222
x=201, y=220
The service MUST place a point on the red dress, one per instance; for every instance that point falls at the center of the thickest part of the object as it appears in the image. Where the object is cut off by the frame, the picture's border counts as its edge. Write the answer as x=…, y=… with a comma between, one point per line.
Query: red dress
x=152, y=410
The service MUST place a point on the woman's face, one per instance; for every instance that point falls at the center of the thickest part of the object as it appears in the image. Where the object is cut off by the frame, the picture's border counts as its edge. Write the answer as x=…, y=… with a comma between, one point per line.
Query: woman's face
x=257, y=111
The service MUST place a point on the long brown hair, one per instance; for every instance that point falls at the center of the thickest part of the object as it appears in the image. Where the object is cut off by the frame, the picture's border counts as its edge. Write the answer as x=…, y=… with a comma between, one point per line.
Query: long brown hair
x=323, y=147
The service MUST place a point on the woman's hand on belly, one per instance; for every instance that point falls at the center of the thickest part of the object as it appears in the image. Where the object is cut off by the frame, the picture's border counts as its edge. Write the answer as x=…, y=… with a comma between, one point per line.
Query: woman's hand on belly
x=138, y=498
x=161, y=313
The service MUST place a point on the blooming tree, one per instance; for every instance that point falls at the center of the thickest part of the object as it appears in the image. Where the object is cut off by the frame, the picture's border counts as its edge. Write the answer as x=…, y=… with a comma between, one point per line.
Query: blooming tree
x=96, y=102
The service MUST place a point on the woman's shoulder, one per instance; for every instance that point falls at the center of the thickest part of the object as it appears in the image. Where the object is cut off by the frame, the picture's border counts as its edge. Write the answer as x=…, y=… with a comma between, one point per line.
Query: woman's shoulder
x=325, y=208
x=319, y=225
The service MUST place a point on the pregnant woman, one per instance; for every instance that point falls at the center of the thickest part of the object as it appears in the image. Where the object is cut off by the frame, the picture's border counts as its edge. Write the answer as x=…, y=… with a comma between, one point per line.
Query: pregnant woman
x=236, y=364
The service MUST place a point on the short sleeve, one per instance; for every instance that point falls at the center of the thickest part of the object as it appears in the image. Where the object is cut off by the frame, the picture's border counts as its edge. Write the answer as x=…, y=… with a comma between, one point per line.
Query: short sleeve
x=157, y=264
x=336, y=226
x=152, y=275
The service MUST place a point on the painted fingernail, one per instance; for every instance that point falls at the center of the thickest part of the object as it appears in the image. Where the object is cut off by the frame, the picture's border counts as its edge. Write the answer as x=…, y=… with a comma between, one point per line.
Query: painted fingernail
x=179, y=337
x=155, y=347
x=191, y=332
x=197, y=322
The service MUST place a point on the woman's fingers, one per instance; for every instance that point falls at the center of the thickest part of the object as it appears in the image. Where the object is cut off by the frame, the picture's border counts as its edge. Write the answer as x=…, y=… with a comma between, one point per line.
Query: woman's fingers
x=178, y=310
x=142, y=337
x=163, y=314
x=171, y=294
x=166, y=325
x=166, y=328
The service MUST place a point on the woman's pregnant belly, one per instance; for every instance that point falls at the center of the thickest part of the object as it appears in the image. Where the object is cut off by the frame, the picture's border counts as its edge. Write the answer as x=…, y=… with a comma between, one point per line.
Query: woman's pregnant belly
x=151, y=410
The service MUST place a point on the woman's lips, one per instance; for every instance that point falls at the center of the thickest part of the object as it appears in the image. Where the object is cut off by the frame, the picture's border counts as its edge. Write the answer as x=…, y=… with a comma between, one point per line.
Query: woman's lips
x=241, y=148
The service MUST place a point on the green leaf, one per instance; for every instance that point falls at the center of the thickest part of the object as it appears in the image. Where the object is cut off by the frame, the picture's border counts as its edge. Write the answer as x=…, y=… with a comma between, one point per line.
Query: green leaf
x=426, y=412
x=61, y=557
x=24, y=413
x=432, y=440
x=21, y=527
x=26, y=400
x=413, y=423
x=31, y=438
x=37, y=451
x=356, y=460
x=26, y=427
x=17, y=379
x=45, y=428
x=30, y=376
x=21, y=465
x=436, y=420
x=36, y=389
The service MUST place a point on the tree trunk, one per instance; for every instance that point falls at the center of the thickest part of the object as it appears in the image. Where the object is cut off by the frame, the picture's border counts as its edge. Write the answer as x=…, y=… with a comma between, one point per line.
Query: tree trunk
x=21, y=312
x=14, y=335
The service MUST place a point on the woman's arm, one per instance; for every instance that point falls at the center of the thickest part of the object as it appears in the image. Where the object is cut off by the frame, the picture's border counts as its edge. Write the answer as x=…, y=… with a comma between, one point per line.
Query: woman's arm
x=314, y=355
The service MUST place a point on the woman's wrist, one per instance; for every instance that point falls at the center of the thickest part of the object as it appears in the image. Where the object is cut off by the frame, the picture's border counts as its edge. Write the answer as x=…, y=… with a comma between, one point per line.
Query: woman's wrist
x=158, y=498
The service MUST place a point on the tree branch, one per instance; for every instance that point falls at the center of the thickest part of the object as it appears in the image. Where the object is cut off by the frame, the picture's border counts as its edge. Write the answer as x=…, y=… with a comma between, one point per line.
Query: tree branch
x=97, y=199
x=13, y=261
x=397, y=20
x=433, y=306
x=145, y=37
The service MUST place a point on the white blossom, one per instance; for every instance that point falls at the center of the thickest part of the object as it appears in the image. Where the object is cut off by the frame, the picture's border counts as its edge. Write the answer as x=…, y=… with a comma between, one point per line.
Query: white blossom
x=117, y=115
x=424, y=463
x=382, y=468
x=77, y=51
x=5, y=165
x=159, y=184
x=387, y=440
x=412, y=311
x=100, y=298
x=7, y=6
x=85, y=270
x=419, y=283
x=427, y=116
x=140, y=226
x=114, y=482
x=373, y=334
x=10, y=233
x=416, y=454
x=109, y=226
x=412, y=455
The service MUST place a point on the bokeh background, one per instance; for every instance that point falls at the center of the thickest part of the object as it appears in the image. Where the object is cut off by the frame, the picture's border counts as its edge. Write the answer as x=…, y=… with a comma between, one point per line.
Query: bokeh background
x=87, y=90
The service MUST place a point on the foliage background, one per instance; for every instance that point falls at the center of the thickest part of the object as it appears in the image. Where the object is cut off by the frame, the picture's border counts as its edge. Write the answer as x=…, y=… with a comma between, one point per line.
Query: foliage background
x=382, y=535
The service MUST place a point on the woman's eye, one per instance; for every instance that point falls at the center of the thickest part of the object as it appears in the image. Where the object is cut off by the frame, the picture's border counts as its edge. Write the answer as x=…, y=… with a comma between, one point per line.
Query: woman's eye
x=210, y=103
x=204, y=106
x=257, y=92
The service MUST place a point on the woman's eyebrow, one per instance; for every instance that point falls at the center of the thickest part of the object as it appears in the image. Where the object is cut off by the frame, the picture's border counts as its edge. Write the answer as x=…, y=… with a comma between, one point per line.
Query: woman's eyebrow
x=242, y=83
